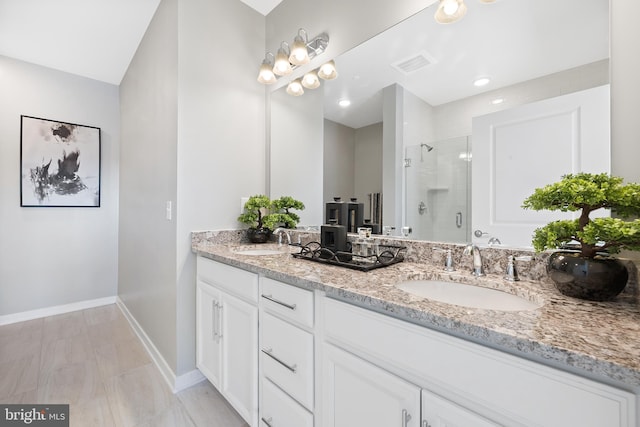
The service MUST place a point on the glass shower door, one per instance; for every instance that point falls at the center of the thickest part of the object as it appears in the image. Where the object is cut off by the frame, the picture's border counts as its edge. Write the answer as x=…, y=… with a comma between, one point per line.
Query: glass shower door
x=437, y=190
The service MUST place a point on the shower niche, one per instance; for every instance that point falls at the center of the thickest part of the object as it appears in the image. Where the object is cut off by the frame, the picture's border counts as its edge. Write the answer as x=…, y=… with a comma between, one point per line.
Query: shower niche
x=437, y=190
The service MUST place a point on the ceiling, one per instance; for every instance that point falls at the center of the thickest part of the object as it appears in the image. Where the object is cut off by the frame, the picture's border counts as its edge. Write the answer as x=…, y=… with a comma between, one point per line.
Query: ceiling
x=95, y=39
x=510, y=41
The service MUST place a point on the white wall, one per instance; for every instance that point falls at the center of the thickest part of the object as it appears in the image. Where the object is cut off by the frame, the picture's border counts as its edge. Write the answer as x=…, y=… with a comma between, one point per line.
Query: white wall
x=297, y=157
x=339, y=162
x=368, y=163
x=148, y=168
x=193, y=134
x=221, y=134
x=55, y=256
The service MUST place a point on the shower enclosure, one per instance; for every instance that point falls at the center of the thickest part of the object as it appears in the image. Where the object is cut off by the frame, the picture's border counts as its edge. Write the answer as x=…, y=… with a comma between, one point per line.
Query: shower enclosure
x=437, y=190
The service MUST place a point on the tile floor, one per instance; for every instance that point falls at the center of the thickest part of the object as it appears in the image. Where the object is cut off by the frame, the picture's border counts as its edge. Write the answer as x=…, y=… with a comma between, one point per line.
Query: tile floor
x=92, y=360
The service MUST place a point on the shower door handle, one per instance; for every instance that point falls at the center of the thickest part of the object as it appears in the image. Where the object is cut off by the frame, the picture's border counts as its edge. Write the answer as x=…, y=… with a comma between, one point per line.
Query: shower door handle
x=422, y=208
x=459, y=220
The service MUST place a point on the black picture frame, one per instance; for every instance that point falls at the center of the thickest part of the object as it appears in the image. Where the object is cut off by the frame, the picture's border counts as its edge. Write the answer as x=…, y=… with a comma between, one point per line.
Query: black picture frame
x=60, y=163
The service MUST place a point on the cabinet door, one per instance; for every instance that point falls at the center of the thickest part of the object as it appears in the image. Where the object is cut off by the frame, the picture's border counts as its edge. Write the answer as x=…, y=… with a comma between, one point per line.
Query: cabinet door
x=439, y=412
x=357, y=393
x=208, y=340
x=239, y=326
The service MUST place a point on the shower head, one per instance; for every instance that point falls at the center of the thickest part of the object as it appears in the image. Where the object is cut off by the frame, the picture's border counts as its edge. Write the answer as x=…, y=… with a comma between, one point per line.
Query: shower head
x=427, y=146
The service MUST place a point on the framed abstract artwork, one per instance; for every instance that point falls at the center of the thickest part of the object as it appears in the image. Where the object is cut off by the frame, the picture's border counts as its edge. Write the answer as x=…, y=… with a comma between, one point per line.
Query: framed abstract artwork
x=59, y=164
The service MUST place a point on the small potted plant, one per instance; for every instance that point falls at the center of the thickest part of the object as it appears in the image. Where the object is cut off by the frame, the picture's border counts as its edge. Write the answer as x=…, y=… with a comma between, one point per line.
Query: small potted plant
x=587, y=270
x=263, y=216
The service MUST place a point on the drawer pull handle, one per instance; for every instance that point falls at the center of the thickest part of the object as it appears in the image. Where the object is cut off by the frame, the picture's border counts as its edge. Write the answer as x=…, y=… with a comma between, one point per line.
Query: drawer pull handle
x=405, y=418
x=284, y=304
x=267, y=421
x=289, y=367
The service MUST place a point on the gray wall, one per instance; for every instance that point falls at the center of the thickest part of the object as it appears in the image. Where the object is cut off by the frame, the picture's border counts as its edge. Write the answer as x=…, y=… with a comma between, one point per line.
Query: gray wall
x=338, y=161
x=148, y=165
x=193, y=134
x=368, y=163
x=55, y=256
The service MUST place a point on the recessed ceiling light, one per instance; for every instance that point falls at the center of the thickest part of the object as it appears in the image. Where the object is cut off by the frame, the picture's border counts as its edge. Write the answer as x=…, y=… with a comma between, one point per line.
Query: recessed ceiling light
x=344, y=103
x=497, y=101
x=482, y=81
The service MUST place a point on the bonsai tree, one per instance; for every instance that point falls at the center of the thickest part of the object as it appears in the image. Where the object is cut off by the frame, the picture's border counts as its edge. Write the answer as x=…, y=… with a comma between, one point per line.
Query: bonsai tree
x=586, y=193
x=282, y=214
x=260, y=212
x=255, y=211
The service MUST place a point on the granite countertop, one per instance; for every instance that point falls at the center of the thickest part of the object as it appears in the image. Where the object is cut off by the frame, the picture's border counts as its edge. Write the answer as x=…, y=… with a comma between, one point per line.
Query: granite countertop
x=598, y=340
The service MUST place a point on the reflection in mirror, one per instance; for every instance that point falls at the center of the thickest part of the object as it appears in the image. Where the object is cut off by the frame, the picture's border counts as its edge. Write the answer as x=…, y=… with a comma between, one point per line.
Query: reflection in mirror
x=413, y=85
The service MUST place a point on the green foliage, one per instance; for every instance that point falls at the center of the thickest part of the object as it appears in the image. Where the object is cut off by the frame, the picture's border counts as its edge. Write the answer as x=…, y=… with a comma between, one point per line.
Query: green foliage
x=261, y=212
x=587, y=192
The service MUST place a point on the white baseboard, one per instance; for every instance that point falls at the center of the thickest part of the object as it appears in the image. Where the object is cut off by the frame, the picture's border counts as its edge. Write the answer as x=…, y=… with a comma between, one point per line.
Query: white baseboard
x=176, y=384
x=55, y=310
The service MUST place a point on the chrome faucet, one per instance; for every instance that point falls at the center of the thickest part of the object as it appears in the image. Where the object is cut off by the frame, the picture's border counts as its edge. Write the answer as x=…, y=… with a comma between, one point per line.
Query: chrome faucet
x=474, y=251
x=279, y=232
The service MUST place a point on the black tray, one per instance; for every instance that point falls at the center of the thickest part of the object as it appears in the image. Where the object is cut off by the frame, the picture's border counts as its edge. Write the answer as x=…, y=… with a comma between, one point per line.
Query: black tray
x=388, y=255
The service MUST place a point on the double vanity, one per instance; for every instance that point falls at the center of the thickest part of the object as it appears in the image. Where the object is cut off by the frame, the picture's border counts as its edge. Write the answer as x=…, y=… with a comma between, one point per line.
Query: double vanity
x=290, y=342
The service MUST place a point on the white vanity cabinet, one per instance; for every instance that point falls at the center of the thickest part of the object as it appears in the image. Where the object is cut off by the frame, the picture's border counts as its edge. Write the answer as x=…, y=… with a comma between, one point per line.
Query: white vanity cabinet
x=287, y=357
x=385, y=364
x=227, y=333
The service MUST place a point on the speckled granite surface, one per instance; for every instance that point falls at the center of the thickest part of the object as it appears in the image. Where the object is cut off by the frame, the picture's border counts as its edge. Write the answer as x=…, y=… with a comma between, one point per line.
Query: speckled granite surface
x=599, y=340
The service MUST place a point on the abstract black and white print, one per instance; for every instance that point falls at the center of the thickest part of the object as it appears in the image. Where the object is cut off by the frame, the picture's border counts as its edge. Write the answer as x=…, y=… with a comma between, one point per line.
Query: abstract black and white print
x=60, y=163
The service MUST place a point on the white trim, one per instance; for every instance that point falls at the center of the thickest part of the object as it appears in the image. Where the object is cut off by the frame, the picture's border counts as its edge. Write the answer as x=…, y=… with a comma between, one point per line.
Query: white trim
x=154, y=353
x=55, y=310
x=176, y=384
x=187, y=380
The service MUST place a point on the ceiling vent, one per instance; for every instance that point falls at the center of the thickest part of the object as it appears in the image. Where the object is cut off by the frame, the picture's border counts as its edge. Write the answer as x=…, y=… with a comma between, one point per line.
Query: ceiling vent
x=413, y=63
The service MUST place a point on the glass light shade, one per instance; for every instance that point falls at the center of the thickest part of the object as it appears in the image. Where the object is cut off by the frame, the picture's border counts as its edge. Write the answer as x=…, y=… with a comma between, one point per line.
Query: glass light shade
x=299, y=54
x=282, y=66
x=450, y=11
x=328, y=71
x=295, y=88
x=266, y=76
x=310, y=80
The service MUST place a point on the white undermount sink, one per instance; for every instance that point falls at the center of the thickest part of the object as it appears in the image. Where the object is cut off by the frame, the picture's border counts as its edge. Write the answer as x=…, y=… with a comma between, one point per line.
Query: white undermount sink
x=467, y=295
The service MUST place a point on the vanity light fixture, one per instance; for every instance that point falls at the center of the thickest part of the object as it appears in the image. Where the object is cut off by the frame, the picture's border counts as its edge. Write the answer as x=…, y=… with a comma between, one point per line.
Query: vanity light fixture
x=266, y=75
x=310, y=80
x=295, y=88
x=327, y=71
x=299, y=54
x=282, y=66
x=450, y=11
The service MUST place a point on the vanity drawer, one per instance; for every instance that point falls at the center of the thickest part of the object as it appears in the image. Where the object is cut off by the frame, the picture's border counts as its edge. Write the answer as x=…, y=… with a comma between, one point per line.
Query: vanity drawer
x=287, y=358
x=237, y=282
x=288, y=301
x=278, y=409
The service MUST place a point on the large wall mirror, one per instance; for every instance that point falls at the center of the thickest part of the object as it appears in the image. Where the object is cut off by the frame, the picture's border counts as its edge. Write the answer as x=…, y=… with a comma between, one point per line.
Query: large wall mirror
x=405, y=141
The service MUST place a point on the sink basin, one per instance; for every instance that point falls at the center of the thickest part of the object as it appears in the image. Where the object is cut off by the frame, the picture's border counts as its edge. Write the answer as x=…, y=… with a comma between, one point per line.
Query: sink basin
x=467, y=295
x=259, y=252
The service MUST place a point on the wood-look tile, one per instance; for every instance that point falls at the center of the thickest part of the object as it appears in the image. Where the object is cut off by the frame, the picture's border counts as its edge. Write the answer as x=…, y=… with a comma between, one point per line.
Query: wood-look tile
x=95, y=413
x=175, y=415
x=19, y=376
x=208, y=408
x=26, y=397
x=63, y=326
x=111, y=331
x=115, y=358
x=106, y=313
x=66, y=351
x=137, y=395
x=20, y=340
x=72, y=383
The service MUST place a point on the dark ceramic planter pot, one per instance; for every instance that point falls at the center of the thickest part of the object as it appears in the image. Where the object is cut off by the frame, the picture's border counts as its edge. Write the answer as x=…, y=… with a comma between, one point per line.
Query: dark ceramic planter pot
x=258, y=235
x=593, y=279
